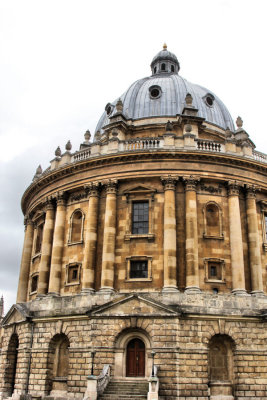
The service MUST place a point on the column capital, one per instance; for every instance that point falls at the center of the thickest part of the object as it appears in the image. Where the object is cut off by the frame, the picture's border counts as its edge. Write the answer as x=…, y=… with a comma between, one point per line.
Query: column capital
x=191, y=182
x=111, y=186
x=251, y=191
x=92, y=189
x=49, y=203
x=27, y=221
x=234, y=188
x=169, y=181
x=61, y=198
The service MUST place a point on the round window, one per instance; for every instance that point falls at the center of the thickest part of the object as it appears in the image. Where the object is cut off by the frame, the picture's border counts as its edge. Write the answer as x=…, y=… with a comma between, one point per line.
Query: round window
x=109, y=108
x=209, y=100
x=155, y=92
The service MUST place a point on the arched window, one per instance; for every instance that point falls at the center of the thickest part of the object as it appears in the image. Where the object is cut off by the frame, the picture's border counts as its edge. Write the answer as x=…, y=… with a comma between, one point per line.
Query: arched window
x=163, y=67
x=172, y=68
x=10, y=370
x=212, y=221
x=76, y=227
x=221, y=371
x=58, y=363
x=39, y=238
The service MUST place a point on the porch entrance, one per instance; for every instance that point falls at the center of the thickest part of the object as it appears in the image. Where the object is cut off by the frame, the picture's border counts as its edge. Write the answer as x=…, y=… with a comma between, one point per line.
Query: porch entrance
x=135, y=358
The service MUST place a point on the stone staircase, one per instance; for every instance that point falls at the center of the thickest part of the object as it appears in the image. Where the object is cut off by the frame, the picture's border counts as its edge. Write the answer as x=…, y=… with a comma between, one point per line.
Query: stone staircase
x=125, y=390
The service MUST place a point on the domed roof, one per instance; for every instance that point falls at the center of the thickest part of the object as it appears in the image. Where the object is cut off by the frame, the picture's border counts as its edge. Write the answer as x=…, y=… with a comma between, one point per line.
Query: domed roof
x=163, y=94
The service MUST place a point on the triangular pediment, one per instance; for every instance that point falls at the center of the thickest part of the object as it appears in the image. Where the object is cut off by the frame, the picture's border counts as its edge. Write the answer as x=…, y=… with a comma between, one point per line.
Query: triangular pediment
x=133, y=305
x=139, y=189
x=17, y=313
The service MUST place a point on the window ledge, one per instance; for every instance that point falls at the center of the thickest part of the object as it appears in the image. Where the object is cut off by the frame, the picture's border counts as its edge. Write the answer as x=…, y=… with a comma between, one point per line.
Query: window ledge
x=74, y=243
x=213, y=237
x=72, y=283
x=215, y=281
x=149, y=236
x=37, y=255
x=32, y=293
x=138, y=280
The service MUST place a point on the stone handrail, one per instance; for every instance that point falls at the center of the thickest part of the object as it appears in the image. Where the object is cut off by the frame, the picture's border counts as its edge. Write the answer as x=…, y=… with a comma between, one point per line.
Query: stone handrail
x=258, y=156
x=142, y=143
x=208, y=145
x=82, y=155
x=103, y=379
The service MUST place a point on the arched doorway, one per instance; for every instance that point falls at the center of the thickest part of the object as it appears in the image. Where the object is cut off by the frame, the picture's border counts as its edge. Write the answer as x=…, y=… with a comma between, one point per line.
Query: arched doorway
x=12, y=356
x=135, y=358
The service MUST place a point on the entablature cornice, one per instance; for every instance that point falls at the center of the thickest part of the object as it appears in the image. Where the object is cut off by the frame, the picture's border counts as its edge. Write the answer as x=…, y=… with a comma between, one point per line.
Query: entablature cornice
x=160, y=155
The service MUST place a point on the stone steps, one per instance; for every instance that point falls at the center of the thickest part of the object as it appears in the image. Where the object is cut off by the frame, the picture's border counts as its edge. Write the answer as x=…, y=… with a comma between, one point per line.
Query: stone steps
x=125, y=390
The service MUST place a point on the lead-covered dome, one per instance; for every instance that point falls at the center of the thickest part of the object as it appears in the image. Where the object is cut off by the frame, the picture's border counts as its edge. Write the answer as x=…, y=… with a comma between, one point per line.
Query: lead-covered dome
x=163, y=94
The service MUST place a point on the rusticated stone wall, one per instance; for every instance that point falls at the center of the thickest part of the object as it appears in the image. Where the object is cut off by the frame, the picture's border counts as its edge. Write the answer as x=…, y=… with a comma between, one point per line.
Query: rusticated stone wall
x=178, y=327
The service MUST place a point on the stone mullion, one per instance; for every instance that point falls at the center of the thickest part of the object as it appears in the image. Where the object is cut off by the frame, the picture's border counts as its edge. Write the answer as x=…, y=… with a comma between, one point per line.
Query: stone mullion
x=46, y=250
x=191, y=240
x=253, y=242
x=169, y=244
x=236, y=243
x=25, y=262
x=88, y=280
x=108, y=256
x=58, y=245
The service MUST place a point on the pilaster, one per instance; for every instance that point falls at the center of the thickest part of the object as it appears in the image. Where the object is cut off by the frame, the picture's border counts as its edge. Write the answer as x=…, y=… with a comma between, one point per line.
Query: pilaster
x=88, y=279
x=169, y=244
x=108, y=256
x=236, y=244
x=191, y=241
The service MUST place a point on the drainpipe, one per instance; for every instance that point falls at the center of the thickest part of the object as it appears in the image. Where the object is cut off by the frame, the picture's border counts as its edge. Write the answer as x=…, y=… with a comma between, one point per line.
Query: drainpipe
x=30, y=358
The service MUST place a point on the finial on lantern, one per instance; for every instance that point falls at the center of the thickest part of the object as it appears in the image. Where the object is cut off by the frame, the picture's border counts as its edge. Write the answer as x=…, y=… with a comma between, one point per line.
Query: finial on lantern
x=164, y=46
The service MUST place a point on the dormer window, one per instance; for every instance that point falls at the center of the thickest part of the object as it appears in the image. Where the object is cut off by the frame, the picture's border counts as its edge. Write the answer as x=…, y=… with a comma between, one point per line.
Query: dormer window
x=163, y=67
x=172, y=68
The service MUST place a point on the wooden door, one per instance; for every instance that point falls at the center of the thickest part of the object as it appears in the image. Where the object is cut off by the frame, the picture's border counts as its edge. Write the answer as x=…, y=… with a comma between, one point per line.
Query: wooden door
x=135, y=362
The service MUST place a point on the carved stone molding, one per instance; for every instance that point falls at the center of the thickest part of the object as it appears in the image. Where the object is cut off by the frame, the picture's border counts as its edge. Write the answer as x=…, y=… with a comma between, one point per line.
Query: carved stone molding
x=49, y=203
x=191, y=182
x=251, y=191
x=92, y=189
x=234, y=188
x=211, y=189
x=169, y=181
x=111, y=186
x=61, y=198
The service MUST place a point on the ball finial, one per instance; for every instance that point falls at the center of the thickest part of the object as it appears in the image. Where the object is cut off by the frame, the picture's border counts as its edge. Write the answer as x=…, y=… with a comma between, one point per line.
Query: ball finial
x=164, y=46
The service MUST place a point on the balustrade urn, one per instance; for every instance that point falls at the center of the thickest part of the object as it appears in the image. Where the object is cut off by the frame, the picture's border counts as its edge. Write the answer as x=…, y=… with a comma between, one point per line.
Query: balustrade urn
x=25, y=261
x=46, y=250
x=88, y=279
x=169, y=244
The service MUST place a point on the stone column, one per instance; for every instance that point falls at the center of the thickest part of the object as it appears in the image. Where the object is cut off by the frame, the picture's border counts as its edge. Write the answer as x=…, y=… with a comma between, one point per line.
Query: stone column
x=108, y=257
x=236, y=244
x=46, y=248
x=58, y=245
x=88, y=279
x=253, y=242
x=25, y=261
x=191, y=235
x=169, y=244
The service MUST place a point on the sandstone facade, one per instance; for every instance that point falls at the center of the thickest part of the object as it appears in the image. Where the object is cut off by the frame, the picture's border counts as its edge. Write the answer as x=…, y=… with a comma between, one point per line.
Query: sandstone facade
x=153, y=235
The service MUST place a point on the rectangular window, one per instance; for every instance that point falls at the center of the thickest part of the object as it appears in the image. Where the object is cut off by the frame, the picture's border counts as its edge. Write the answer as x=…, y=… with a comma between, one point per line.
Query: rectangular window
x=215, y=270
x=73, y=274
x=265, y=221
x=138, y=269
x=140, y=217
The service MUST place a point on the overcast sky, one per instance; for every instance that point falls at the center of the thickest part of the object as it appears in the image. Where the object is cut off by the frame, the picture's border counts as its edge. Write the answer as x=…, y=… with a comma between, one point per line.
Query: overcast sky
x=62, y=61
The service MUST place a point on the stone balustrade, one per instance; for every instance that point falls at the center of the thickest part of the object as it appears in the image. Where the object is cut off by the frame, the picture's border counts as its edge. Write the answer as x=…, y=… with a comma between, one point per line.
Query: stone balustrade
x=96, y=149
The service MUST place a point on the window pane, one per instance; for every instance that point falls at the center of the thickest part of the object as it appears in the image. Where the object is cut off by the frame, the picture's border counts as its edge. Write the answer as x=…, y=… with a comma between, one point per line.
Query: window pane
x=138, y=269
x=140, y=217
